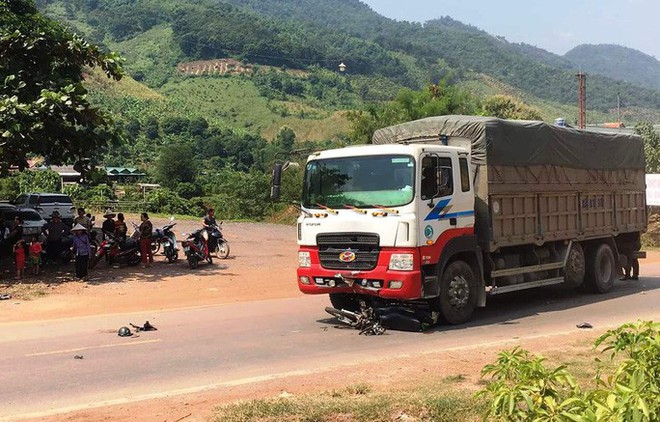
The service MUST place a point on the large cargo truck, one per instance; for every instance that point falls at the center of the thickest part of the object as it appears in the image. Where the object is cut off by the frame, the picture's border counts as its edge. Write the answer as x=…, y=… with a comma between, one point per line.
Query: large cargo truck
x=442, y=212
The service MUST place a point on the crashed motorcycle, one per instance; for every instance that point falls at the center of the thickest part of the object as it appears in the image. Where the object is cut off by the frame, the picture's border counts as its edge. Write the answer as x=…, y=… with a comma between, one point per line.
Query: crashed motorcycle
x=219, y=246
x=167, y=239
x=374, y=320
x=116, y=250
x=196, y=248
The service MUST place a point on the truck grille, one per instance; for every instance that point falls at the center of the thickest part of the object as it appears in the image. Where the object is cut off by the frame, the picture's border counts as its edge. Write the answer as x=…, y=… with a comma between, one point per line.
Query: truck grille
x=365, y=246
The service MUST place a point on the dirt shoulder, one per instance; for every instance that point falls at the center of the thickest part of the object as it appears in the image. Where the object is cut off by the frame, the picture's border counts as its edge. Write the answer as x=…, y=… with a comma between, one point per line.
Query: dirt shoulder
x=261, y=265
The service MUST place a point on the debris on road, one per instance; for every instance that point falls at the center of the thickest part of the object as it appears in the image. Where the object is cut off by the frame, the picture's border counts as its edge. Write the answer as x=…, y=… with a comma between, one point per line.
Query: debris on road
x=145, y=327
x=584, y=325
x=79, y=357
x=5, y=297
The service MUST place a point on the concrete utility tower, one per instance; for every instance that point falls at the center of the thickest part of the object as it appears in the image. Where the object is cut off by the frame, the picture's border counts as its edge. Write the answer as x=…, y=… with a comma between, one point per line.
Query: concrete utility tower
x=582, y=100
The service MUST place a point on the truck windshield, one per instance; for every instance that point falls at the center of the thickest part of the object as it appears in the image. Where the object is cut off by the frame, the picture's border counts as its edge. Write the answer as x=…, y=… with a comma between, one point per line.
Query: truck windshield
x=368, y=182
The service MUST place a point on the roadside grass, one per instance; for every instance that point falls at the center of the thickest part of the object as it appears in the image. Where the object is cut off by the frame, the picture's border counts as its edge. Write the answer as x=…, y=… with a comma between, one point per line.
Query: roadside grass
x=446, y=398
x=357, y=403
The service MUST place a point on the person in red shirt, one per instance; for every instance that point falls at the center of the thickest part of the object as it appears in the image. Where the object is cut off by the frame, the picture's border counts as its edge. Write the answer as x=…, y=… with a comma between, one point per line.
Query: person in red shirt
x=35, y=255
x=19, y=258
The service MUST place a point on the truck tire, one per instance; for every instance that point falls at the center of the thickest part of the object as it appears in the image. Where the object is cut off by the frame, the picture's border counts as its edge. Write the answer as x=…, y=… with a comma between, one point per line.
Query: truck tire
x=346, y=301
x=601, y=270
x=458, y=293
x=576, y=266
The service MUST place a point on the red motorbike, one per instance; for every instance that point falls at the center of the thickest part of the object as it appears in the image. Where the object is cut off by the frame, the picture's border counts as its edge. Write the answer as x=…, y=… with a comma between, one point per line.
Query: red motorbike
x=118, y=251
x=196, y=248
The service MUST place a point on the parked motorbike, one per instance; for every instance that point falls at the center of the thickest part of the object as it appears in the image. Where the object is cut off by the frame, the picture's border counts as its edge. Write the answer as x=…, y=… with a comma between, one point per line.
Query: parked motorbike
x=167, y=239
x=196, y=248
x=118, y=251
x=219, y=245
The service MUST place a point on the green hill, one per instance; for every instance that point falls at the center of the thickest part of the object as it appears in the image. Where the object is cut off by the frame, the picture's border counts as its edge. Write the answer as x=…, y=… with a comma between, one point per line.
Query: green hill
x=617, y=62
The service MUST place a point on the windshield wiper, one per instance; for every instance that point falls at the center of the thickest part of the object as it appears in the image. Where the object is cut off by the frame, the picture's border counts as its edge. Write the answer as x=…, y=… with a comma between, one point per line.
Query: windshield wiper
x=350, y=207
x=335, y=212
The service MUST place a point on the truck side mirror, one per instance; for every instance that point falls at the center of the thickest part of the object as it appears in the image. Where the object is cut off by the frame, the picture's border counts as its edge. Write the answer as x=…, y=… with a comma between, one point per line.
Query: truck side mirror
x=276, y=185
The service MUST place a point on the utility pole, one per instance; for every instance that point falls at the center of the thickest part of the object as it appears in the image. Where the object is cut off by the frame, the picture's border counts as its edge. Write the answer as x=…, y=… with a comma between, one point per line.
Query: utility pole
x=582, y=100
x=618, y=109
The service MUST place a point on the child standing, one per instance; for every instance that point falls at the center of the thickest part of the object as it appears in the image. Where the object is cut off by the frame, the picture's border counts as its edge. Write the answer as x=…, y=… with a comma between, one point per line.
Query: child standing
x=19, y=258
x=35, y=255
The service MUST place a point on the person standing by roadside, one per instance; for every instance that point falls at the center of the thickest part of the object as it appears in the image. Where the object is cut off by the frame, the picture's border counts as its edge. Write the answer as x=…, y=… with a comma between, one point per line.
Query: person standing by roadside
x=83, y=220
x=35, y=254
x=16, y=232
x=82, y=250
x=108, y=226
x=146, y=231
x=55, y=230
x=120, y=227
x=4, y=238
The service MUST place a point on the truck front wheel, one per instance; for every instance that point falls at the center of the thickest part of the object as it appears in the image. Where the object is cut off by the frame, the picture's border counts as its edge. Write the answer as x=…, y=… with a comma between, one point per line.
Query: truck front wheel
x=458, y=293
x=575, y=268
x=601, y=270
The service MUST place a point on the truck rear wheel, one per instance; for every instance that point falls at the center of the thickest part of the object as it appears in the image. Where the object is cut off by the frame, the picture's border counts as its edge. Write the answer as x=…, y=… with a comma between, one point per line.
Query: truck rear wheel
x=347, y=301
x=576, y=266
x=601, y=270
x=458, y=293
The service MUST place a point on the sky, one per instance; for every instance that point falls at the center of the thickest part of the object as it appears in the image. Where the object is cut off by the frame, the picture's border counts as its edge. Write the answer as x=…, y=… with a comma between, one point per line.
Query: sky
x=556, y=26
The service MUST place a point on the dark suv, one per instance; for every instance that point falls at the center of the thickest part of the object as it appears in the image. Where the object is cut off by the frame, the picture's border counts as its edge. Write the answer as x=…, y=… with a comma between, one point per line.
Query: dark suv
x=47, y=203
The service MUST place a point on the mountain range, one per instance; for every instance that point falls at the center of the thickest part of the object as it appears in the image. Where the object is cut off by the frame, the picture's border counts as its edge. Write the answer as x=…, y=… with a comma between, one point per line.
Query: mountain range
x=381, y=55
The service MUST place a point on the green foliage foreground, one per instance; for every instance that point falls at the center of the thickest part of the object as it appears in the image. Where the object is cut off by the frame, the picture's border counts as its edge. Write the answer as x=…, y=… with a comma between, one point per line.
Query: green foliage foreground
x=523, y=388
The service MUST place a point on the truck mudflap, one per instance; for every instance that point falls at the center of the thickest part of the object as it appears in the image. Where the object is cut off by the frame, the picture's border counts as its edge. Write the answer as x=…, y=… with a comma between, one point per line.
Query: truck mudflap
x=380, y=281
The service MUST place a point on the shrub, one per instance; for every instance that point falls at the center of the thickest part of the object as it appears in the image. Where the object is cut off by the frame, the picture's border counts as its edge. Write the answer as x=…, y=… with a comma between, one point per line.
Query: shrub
x=522, y=388
x=168, y=202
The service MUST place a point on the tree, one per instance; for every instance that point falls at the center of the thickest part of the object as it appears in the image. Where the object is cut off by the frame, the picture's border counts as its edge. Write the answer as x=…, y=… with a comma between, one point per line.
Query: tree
x=409, y=105
x=506, y=107
x=176, y=164
x=651, y=146
x=43, y=104
x=285, y=138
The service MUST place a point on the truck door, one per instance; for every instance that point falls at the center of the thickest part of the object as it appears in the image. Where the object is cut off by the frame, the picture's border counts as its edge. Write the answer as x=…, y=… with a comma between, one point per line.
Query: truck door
x=446, y=199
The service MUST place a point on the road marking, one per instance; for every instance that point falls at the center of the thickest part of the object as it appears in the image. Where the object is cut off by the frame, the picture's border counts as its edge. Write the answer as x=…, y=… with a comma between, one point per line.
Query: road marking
x=103, y=346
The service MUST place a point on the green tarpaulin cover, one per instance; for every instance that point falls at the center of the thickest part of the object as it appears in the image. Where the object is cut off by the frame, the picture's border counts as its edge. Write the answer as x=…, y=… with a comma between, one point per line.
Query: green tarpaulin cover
x=524, y=143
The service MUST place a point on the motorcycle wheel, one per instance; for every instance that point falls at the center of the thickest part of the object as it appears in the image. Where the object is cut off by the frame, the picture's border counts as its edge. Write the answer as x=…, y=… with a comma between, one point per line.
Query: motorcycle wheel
x=95, y=260
x=209, y=259
x=348, y=318
x=171, y=257
x=155, y=247
x=222, y=251
x=192, y=261
x=134, y=259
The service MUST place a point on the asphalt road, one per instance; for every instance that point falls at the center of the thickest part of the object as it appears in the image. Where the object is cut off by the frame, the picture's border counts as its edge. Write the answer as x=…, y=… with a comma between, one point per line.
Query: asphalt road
x=208, y=347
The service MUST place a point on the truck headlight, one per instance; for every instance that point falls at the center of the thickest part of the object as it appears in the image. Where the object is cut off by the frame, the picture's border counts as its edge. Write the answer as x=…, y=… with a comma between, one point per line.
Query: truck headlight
x=304, y=259
x=401, y=262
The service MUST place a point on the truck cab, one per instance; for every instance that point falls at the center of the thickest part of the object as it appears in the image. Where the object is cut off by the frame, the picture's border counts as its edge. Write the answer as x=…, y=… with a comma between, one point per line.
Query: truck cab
x=376, y=220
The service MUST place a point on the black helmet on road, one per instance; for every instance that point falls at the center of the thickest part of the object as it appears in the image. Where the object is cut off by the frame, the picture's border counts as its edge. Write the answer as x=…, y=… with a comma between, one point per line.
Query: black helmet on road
x=124, y=332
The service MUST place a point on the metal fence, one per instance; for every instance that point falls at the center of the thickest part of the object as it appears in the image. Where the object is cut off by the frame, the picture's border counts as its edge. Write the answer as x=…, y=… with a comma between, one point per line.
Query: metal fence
x=115, y=206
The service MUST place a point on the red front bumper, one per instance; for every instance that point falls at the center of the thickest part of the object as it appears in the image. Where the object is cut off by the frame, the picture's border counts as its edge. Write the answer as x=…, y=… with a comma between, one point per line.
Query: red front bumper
x=361, y=282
